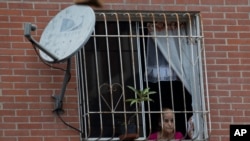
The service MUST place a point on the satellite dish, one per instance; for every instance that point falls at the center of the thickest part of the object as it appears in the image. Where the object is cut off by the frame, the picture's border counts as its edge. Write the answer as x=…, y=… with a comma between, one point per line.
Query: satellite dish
x=65, y=34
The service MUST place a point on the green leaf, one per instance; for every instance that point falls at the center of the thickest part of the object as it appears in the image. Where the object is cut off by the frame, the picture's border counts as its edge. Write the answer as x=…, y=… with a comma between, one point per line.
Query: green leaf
x=142, y=95
x=133, y=89
x=145, y=91
x=151, y=92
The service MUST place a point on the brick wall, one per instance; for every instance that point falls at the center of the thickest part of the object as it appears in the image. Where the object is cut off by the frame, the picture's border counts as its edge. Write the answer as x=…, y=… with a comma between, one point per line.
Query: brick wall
x=26, y=84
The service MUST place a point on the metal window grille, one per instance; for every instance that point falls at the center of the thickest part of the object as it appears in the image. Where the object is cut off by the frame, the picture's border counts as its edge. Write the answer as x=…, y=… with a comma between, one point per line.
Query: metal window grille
x=117, y=56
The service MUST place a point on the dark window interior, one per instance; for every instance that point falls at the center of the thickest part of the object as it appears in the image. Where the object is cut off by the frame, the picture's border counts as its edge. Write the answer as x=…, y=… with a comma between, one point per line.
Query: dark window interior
x=102, y=65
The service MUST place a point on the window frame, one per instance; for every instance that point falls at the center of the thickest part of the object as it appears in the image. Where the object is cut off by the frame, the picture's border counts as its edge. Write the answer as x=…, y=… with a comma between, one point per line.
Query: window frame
x=113, y=17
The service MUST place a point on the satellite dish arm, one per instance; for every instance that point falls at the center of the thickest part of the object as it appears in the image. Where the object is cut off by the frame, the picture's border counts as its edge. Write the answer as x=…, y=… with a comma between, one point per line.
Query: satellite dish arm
x=28, y=27
x=59, y=98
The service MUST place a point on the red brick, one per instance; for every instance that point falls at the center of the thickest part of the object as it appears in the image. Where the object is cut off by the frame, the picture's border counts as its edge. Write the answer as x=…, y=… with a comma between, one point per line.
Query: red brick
x=198, y=8
x=222, y=118
x=34, y=99
x=219, y=28
x=226, y=48
x=227, y=61
x=245, y=87
x=33, y=12
x=241, y=120
x=22, y=19
x=230, y=100
x=217, y=68
x=40, y=92
x=226, y=35
x=66, y=132
x=173, y=8
x=238, y=28
x=38, y=79
x=245, y=74
x=238, y=55
x=188, y=2
x=228, y=86
x=247, y=113
x=7, y=112
x=6, y=138
x=224, y=9
x=40, y=105
x=242, y=16
x=47, y=6
x=28, y=112
x=17, y=132
x=234, y=2
x=50, y=132
x=30, y=126
x=245, y=60
x=218, y=93
x=11, y=38
x=240, y=93
x=42, y=119
x=162, y=1
x=242, y=9
x=6, y=85
x=229, y=74
x=138, y=2
x=3, y=5
x=14, y=106
x=30, y=139
x=212, y=2
x=20, y=5
x=55, y=138
x=14, y=92
x=9, y=12
x=224, y=22
x=16, y=119
x=14, y=78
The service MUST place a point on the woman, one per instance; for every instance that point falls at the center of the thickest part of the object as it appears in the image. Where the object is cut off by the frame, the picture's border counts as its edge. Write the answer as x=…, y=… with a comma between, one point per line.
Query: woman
x=167, y=128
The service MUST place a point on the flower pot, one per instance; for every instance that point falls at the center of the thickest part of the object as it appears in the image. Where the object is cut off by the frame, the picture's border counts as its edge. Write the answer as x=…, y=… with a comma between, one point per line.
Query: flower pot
x=129, y=133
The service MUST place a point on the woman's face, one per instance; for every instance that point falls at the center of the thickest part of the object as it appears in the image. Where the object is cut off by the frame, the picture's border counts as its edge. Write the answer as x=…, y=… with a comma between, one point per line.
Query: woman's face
x=168, y=122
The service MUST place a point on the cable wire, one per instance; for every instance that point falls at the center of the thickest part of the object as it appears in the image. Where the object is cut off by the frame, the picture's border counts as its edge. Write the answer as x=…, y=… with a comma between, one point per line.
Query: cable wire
x=57, y=111
x=34, y=46
x=59, y=116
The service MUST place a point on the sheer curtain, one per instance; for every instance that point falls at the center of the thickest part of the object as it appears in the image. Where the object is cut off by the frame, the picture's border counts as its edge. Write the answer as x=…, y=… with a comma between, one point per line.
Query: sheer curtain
x=178, y=51
x=158, y=68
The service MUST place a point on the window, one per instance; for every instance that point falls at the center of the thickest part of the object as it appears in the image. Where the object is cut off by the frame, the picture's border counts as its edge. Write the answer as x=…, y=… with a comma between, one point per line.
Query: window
x=160, y=51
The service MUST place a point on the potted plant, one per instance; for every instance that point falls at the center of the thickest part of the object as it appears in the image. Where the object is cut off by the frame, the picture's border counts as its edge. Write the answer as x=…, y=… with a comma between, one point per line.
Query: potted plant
x=140, y=97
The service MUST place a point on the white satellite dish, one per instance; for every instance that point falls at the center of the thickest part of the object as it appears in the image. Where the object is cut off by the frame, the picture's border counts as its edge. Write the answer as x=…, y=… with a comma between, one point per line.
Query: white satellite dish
x=65, y=34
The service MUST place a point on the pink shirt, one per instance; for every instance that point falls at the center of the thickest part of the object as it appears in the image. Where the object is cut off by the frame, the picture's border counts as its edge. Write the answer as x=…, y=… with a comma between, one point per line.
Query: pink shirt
x=153, y=137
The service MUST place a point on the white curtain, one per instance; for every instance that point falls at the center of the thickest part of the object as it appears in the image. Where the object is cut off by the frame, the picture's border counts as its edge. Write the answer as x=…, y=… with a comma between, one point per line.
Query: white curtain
x=181, y=54
x=158, y=68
